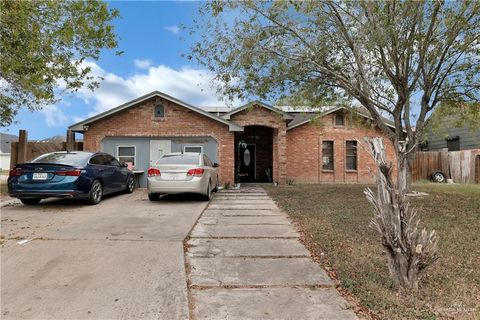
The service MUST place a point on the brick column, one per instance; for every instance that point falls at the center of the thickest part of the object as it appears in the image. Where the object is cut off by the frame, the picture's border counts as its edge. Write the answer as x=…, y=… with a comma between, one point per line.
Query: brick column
x=282, y=154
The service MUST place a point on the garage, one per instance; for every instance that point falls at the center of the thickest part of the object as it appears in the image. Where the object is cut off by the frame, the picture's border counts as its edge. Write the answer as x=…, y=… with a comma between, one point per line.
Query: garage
x=142, y=152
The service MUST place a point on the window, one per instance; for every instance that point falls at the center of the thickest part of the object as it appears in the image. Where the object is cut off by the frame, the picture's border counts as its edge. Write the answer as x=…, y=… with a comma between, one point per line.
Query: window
x=195, y=149
x=453, y=143
x=68, y=158
x=98, y=160
x=339, y=120
x=159, y=111
x=180, y=159
x=126, y=154
x=351, y=155
x=327, y=155
x=206, y=161
x=111, y=161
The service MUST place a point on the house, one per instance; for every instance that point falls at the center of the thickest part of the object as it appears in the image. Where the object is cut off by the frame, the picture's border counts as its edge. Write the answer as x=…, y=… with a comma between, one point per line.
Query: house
x=253, y=143
x=451, y=136
x=5, y=149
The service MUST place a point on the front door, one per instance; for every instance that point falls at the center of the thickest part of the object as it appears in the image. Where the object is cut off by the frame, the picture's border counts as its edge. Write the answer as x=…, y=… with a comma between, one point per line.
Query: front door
x=247, y=163
x=158, y=148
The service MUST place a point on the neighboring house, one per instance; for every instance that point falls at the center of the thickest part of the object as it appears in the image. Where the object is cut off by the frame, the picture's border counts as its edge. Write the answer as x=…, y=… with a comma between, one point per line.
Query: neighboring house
x=252, y=143
x=452, y=137
x=5, y=149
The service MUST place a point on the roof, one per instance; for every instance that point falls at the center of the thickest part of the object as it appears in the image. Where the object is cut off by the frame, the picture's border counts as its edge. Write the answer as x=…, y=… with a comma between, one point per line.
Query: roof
x=6, y=142
x=302, y=119
x=285, y=115
x=79, y=126
x=217, y=109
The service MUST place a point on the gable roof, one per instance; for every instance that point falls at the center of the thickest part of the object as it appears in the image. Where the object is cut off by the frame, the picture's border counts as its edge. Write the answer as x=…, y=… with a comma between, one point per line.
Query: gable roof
x=301, y=120
x=78, y=127
x=285, y=115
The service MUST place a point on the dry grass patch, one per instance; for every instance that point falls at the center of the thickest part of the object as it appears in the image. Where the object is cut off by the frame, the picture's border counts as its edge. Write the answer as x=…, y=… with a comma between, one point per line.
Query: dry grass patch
x=335, y=220
x=3, y=189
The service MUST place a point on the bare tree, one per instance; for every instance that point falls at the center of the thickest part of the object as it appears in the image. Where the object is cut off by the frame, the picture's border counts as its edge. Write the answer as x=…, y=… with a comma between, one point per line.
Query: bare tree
x=410, y=251
x=397, y=59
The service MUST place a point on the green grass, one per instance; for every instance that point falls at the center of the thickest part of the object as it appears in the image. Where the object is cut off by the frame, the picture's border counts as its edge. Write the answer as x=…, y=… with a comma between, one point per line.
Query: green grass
x=335, y=220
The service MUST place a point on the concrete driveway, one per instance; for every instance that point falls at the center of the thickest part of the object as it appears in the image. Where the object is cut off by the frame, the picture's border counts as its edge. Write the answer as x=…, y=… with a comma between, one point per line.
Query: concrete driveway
x=120, y=259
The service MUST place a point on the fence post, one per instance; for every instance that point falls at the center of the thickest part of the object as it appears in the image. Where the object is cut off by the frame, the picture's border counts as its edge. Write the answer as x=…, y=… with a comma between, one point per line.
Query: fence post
x=14, y=155
x=70, y=144
x=444, y=166
x=477, y=168
x=22, y=146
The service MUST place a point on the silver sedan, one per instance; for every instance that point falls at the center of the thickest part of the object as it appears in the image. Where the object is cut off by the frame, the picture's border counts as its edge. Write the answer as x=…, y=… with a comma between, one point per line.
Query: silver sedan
x=183, y=173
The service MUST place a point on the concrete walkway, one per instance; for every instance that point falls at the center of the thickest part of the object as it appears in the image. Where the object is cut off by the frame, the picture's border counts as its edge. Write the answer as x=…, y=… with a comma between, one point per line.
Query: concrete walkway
x=244, y=261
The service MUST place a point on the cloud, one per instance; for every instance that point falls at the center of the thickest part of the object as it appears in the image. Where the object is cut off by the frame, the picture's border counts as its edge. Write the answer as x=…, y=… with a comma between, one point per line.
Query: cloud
x=54, y=116
x=188, y=84
x=173, y=29
x=142, y=63
x=77, y=119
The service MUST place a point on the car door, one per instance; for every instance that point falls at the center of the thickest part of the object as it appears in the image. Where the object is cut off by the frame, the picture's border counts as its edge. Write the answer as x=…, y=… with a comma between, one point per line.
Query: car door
x=119, y=176
x=104, y=172
x=212, y=172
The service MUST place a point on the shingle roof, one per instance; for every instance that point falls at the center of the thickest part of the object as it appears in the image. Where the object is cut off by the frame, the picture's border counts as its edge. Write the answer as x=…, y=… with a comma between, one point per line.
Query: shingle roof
x=304, y=118
x=285, y=115
x=79, y=126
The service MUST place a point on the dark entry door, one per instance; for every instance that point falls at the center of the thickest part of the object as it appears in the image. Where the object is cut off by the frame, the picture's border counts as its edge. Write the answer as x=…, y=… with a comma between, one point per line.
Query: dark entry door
x=247, y=163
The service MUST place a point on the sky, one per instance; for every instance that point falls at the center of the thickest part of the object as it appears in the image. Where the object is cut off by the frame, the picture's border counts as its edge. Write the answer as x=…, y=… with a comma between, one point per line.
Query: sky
x=152, y=42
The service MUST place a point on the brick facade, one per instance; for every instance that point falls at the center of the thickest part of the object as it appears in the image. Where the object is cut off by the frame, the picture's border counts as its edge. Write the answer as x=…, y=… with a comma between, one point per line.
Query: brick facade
x=304, y=151
x=259, y=116
x=296, y=153
x=139, y=121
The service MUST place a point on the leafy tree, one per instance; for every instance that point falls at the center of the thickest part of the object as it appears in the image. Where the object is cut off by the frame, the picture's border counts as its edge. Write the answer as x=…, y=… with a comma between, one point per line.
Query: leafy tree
x=398, y=59
x=43, y=45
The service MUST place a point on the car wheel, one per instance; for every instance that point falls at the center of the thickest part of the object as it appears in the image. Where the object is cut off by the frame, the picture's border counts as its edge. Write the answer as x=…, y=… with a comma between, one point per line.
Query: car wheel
x=208, y=195
x=153, y=196
x=438, y=176
x=96, y=192
x=30, y=201
x=130, y=184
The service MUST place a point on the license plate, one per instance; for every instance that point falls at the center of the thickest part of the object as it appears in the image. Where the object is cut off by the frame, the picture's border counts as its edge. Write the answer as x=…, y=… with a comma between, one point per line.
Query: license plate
x=40, y=176
x=174, y=176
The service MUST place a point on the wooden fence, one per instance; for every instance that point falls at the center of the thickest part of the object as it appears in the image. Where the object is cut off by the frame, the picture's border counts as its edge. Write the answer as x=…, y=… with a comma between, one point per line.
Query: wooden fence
x=24, y=151
x=461, y=166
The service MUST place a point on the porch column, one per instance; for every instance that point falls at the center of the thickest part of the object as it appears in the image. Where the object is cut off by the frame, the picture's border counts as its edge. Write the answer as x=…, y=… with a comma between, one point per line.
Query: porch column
x=280, y=155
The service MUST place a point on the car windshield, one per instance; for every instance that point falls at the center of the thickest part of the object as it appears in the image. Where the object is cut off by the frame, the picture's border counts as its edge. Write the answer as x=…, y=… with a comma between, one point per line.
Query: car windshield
x=179, y=159
x=70, y=159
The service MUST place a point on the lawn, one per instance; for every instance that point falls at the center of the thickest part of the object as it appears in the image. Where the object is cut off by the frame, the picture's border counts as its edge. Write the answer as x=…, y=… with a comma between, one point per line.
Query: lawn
x=334, y=220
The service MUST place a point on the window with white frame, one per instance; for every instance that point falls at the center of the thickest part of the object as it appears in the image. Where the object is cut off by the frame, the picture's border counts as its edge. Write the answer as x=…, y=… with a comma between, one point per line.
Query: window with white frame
x=195, y=149
x=126, y=154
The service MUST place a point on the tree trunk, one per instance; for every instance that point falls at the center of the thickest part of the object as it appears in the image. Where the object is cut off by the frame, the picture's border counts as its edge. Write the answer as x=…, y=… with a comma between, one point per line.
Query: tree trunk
x=409, y=250
x=409, y=172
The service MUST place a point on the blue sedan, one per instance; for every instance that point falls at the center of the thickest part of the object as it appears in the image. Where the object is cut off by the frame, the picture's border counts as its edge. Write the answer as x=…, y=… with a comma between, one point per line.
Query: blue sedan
x=74, y=174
